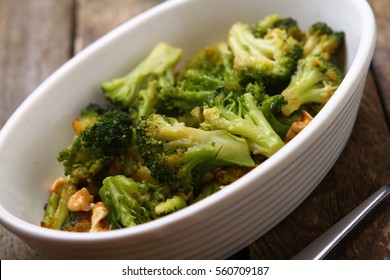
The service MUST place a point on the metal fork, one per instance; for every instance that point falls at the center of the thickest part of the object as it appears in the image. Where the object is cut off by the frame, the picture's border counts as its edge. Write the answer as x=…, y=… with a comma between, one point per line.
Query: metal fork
x=320, y=247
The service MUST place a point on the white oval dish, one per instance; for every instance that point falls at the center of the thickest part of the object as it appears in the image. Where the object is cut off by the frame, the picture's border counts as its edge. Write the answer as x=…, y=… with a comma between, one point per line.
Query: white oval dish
x=223, y=223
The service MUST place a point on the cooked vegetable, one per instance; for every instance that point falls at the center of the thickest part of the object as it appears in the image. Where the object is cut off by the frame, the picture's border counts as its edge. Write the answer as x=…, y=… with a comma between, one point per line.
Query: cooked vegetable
x=271, y=107
x=167, y=138
x=137, y=91
x=179, y=156
x=97, y=146
x=270, y=59
x=209, y=69
x=57, y=209
x=240, y=114
x=88, y=116
x=130, y=203
x=315, y=81
x=322, y=40
x=261, y=28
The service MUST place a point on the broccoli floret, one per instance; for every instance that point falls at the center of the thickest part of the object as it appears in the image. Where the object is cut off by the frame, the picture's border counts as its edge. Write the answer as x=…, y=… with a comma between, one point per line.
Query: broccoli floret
x=131, y=203
x=179, y=156
x=315, y=81
x=261, y=28
x=137, y=91
x=88, y=116
x=272, y=110
x=270, y=60
x=322, y=40
x=239, y=113
x=210, y=68
x=97, y=146
x=292, y=28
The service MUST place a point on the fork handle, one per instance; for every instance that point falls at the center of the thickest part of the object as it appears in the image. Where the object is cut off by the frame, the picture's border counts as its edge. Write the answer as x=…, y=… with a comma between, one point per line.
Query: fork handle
x=320, y=247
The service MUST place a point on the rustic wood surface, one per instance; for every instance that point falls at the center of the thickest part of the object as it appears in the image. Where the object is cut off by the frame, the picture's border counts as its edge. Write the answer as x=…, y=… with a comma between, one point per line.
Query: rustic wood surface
x=37, y=36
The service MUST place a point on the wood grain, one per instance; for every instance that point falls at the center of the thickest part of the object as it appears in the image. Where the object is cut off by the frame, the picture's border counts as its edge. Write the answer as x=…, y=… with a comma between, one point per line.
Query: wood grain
x=35, y=39
x=381, y=59
x=96, y=18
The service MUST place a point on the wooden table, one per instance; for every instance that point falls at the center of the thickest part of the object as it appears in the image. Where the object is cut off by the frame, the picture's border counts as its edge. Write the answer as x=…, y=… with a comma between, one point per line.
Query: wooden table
x=37, y=36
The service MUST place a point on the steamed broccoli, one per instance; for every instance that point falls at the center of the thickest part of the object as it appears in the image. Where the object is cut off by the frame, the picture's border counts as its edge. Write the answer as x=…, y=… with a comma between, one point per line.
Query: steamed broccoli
x=315, y=81
x=240, y=114
x=137, y=91
x=179, y=156
x=88, y=116
x=131, y=203
x=169, y=138
x=271, y=107
x=322, y=40
x=50, y=210
x=210, y=68
x=98, y=145
x=261, y=28
x=270, y=60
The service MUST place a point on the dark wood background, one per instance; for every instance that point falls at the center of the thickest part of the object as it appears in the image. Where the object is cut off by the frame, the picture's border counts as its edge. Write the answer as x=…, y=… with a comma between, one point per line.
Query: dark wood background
x=37, y=36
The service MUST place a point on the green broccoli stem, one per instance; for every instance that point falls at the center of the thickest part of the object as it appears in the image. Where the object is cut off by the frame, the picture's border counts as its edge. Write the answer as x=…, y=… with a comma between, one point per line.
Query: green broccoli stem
x=51, y=208
x=148, y=99
x=170, y=205
x=62, y=211
x=203, y=145
x=268, y=141
x=251, y=48
x=201, y=159
x=249, y=122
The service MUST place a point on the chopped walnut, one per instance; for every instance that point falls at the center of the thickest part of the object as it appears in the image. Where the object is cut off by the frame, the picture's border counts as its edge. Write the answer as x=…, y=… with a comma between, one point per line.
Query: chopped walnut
x=197, y=114
x=80, y=124
x=80, y=201
x=57, y=185
x=298, y=126
x=99, y=212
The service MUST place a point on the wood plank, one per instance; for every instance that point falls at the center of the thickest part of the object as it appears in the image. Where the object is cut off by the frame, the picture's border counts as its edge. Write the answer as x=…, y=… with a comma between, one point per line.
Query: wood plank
x=355, y=176
x=381, y=59
x=96, y=18
x=35, y=39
